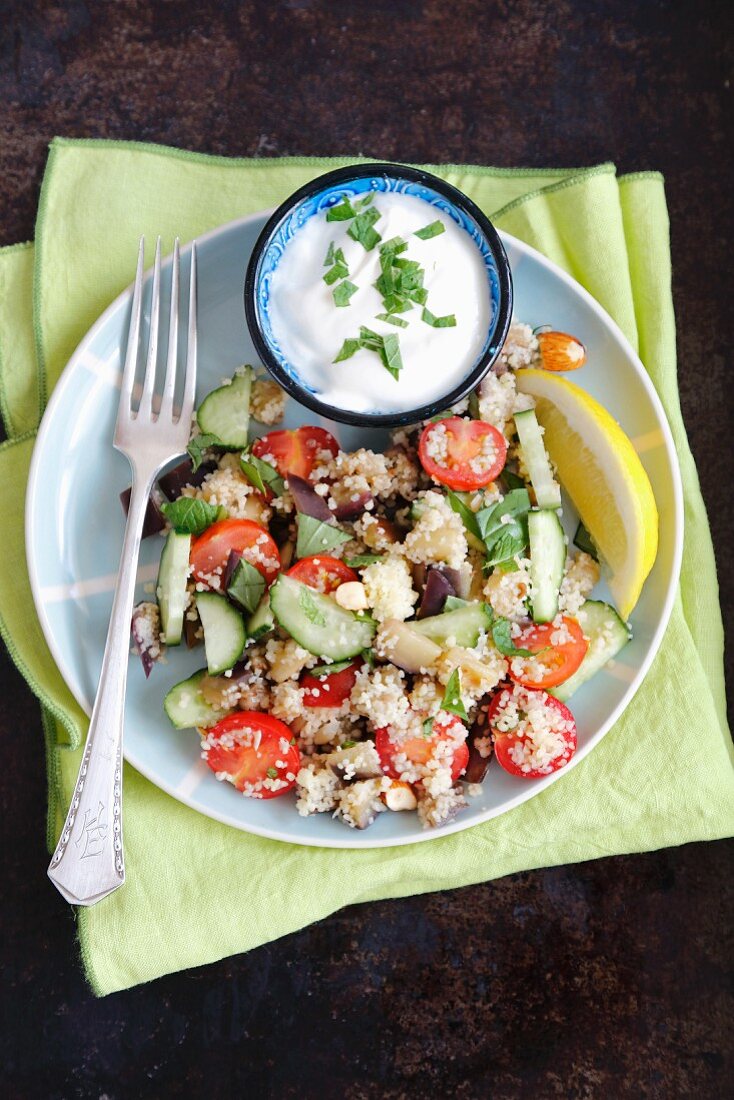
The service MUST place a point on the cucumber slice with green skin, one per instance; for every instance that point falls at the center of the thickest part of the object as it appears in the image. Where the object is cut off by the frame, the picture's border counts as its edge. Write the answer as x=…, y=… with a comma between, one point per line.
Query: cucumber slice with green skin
x=535, y=457
x=607, y=635
x=262, y=620
x=225, y=413
x=173, y=573
x=186, y=706
x=463, y=626
x=224, y=632
x=547, y=560
x=317, y=622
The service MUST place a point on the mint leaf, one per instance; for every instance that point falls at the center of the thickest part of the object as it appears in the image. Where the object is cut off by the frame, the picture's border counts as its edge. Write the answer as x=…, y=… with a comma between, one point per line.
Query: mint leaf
x=262, y=475
x=329, y=258
x=198, y=445
x=512, y=542
x=460, y=505
x=317, y=537
x=394, y=246
x=391, y=319
x=452, y=701
x=363, y=559
x=247, y=586
x=449, y=321
x=502, y=638
x=189, y=515
x=340, y=270
x=365, y=201
x=341, y=212
x=391, y=357
x=343, y=293
x=361, y=230
x=431, y=230
x=516, y=504
x=309, y=608
x=347, y=350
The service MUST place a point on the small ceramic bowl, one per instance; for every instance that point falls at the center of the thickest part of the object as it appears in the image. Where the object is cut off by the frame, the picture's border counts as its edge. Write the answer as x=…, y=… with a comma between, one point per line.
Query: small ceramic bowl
x=317, y=197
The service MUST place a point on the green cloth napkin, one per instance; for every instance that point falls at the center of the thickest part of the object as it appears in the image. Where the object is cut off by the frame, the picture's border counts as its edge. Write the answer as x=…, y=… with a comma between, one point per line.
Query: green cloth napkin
x=662, y=776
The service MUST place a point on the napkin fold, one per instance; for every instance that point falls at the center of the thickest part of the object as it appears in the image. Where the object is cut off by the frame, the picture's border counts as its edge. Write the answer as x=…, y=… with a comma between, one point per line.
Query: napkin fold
x=662, y=776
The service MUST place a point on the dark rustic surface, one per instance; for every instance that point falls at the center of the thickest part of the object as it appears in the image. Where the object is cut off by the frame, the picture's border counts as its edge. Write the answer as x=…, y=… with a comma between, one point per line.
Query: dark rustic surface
x=609, y=979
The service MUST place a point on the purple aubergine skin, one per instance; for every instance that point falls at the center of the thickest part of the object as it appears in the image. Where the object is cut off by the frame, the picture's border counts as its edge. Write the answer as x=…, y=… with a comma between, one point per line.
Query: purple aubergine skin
x=436, y=591
x=350, y=509
x=154, y=521
x=477, y=765
x=308, y=500
x=235, y=556
x=143, y=651
x=175, y=481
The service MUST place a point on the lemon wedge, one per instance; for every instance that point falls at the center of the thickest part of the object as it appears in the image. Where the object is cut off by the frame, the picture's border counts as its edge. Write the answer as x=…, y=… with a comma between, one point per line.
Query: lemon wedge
x=602, y=474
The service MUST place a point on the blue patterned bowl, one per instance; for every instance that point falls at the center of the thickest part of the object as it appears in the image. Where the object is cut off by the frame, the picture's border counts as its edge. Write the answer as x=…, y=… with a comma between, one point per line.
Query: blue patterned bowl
x=318, y=196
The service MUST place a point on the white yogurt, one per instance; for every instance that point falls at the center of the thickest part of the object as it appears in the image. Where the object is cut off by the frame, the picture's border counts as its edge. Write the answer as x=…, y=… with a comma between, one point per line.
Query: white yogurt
x=311, y=329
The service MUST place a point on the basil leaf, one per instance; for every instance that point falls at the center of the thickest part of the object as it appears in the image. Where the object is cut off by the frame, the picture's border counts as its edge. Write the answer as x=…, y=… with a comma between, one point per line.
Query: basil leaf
x=341, y=212
x=328, y=670
x=198, y=445
x=391, y=357
x=247, y=586
x=391, y=319
x=431, y=230
x=502, y=638
x=516, y=503
x=317, y=537
x=309, y=608
x=459, y=504
x=347, y=350
x=363, y=559
x=190, y=516
x=452, y=701
x=343, y=293
x=449, y=321
x=262, y=475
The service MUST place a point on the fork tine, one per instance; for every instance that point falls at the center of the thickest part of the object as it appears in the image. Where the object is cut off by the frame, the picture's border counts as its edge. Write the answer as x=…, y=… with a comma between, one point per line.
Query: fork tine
x=187, y=404
x=133, y=336
x=146, y=398
x=169, y=385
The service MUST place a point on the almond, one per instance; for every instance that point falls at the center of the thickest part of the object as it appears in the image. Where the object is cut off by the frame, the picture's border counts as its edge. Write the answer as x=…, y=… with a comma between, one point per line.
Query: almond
x=560, y=352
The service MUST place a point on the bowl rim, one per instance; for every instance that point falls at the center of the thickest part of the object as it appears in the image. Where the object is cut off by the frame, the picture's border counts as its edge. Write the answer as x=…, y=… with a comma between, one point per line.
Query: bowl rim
x=502, y=318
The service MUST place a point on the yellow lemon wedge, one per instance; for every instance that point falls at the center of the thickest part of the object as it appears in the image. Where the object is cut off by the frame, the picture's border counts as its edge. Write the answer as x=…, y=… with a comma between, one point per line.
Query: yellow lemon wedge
x=601, y=472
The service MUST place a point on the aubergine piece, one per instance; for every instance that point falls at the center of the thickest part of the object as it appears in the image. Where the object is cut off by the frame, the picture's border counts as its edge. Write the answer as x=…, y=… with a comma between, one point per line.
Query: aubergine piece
x=435, y=592
x=189, y=631
x=235, y=556
x=154, y=521
x=145, y=629
x=351, y=508
x=175, y=481
x=308, y=500
x=476, y=768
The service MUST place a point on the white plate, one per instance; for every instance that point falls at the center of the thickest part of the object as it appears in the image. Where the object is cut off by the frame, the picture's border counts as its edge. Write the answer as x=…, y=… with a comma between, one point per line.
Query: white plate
x=74, y=528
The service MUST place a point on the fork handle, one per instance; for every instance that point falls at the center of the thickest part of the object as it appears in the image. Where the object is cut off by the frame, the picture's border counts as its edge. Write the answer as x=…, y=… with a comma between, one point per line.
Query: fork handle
x=88, y=862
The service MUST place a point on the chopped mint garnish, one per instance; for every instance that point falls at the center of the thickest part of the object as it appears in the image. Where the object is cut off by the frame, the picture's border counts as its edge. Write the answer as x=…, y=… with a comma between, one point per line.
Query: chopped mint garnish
x=340, y=270
x=394, y=246
x=347, y=350
x=387, y=347
x=365, y=201
x=392, y=319
x=191, y=516
x=329, y=258
x=343, y=293
x=272, y=773
x=362, y=229
x=341, y=212
x=449, y=321
x=433, y=229
x=391, y=357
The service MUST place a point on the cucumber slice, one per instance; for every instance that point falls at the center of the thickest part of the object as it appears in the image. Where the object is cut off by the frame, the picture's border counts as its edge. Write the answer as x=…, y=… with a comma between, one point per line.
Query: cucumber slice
x=173, y=573
x=261, y=621
x=187, y=707
x=463, y=626
x=317, y=622
x=224, y=631
x=607, y=635
x=547, y=559
x=225, y=413
x=535, y=457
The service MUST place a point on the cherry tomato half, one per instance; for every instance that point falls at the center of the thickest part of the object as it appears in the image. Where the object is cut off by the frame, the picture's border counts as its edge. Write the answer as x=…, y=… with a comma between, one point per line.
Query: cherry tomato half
x=252, y=751
x=419, y=750
x=533, y=733
x=295, y=451
x=331, y=689
x=463, y=454
x=322, y=572
x=559, y=652
x=210, y=551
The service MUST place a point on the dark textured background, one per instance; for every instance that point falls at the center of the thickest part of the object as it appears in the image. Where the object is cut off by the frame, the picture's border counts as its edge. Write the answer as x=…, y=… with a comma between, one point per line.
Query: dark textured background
x=608, y=979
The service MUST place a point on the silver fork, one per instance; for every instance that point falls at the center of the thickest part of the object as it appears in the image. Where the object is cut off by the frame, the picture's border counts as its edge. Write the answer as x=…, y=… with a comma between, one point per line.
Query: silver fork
x=88, y=862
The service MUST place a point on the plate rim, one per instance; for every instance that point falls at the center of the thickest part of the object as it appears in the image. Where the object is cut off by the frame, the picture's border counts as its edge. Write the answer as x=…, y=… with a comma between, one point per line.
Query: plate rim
x=348, y=842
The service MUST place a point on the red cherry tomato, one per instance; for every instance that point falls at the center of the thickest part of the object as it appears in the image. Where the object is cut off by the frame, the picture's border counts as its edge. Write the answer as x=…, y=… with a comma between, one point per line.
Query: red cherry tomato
x=295, y=451
x=463, y=454
x=533, y=733
x=559, y=652
x=331, y=689
x=210, y=551
x=419, y=750
x=252, y=751
x=322, y=572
